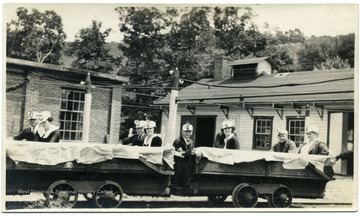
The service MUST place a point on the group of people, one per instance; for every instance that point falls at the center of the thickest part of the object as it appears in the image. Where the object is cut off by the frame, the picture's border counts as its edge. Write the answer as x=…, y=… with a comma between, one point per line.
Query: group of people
x=184, y=144
x=145, y=135
x=226, y=139
x=41, y=128
x=314, y=146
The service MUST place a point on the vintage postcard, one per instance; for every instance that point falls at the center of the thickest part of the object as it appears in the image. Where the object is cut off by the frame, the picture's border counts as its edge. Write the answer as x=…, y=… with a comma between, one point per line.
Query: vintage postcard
x=180, y=107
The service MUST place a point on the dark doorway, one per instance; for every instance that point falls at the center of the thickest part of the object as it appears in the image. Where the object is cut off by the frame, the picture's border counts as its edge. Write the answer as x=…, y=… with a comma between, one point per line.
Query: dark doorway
x=205, y=132
x=204, y=129
x=350, y=139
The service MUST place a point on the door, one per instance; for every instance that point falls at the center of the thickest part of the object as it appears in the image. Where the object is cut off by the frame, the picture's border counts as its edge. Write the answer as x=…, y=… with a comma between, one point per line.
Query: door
x=204, y=129
x=341, y=139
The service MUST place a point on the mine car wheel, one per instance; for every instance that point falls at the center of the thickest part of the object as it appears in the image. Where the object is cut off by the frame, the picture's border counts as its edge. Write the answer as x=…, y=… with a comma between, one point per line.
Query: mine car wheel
x=270, y=201
x=280, y=198
x=88, y=196
x=108, y=195
x=216, y=199
x=244, y=196
x=61, y=194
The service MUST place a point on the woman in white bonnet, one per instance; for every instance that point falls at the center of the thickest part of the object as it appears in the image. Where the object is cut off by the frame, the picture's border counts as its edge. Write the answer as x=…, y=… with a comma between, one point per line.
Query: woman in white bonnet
x=151, y=139
x=314, y=145
x=47, y=132
x=231, y=141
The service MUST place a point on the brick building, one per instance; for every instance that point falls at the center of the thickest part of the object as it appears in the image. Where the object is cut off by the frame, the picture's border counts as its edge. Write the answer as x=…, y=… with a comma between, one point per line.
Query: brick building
x=38, y=87
x=268, y=101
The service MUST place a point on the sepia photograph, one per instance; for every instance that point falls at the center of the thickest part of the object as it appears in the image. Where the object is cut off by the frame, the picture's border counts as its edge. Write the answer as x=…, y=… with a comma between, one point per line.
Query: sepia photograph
x=179, y=107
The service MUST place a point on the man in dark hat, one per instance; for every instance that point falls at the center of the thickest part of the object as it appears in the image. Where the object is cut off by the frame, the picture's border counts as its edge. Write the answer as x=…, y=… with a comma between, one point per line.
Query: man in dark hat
x=29, y=133
x=138, y=138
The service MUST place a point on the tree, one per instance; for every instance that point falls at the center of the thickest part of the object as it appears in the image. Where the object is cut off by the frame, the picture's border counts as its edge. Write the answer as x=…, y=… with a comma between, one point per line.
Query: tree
x=35, y=36
x=187, y=40
x=315, y=51
x=229, y=27
x=90, y=51
x=143, y=43
x=143, y=47
x=253, y=41
x=290, y=36
x=345, y=46
x=285, y=56
x=332, y=63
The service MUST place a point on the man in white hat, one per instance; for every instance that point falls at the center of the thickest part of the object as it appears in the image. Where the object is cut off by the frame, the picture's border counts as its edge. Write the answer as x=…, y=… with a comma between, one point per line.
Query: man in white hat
x=152, y=139
x=47, y=132
x=231, y=141
x=29, y=133
x=314, y=145
x=138, y=138
x=184, y=143
x=285, y=144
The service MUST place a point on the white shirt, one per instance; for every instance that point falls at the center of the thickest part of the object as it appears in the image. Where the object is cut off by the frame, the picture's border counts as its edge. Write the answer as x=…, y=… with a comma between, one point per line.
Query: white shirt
x=307, y=147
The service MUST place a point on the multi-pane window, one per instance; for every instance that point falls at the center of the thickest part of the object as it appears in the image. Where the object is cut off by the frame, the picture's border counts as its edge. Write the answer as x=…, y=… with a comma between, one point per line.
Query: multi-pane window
x=244, y=71
x=296, y=128
x=71, y=114
x=262, y=132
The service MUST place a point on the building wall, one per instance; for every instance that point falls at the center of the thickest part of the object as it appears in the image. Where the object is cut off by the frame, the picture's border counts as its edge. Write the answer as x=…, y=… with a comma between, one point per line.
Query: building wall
x=264, y=66
x=44, y=94
x=100, y=115
x=245, y=124
x=15, y=104
x=115, y=119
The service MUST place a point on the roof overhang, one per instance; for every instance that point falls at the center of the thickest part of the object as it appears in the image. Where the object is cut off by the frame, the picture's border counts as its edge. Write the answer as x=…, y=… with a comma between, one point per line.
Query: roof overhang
x=31, y=64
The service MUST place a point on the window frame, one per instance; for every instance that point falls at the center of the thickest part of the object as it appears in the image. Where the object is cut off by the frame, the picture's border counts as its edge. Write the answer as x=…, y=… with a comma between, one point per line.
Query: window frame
x=256, y=118
x=290, y=118
x=70, y=118
x=246, y=71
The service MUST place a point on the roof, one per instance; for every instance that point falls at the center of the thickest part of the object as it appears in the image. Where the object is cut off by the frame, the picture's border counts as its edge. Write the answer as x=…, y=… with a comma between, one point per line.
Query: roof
x=309, y=86
x=112, y=77
x=253, y=61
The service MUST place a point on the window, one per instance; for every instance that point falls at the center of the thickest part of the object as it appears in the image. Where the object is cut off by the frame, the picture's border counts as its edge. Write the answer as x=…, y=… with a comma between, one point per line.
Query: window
x=247, y=71
x=262, y=132
x=296, y=128
x=71, y=114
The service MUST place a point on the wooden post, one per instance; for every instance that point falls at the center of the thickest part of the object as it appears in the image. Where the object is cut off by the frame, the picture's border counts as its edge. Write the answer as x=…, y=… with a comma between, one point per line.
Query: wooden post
x=170, y=132
x=87, y=108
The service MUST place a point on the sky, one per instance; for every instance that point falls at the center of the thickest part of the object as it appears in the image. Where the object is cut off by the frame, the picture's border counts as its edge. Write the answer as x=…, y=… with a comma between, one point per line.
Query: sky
x=311, y=19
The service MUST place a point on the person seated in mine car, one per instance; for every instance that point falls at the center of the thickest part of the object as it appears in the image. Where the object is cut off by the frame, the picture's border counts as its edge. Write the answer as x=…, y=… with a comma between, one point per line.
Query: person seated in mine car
x=284, y=144
x=152, y=139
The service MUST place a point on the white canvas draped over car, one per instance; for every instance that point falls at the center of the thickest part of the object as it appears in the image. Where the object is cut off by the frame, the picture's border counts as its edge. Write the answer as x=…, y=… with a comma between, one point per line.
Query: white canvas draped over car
x=290, y=160
x=56, y=153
